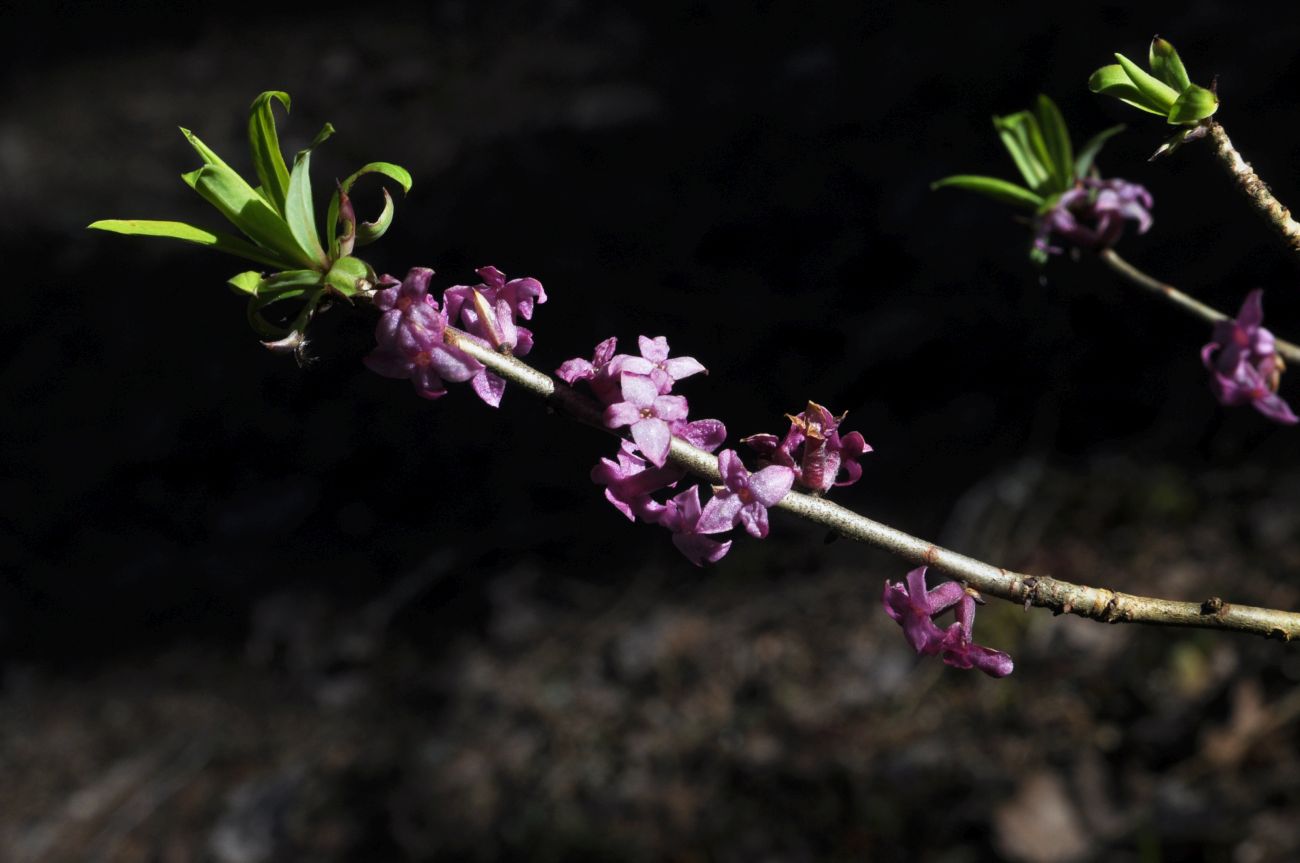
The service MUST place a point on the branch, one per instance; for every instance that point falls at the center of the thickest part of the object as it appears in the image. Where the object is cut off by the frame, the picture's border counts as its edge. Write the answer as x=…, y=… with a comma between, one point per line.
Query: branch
x=1061, y=597
x=1254, y=188
x=1289, y=352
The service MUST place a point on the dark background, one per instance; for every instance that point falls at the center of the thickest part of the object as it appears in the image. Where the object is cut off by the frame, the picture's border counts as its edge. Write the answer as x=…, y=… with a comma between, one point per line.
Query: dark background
x=307, y=615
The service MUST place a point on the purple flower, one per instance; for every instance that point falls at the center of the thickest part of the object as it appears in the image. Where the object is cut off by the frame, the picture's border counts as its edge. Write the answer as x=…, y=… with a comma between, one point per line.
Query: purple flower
x=629, y=483
x=654, y=362
x=409, y=337
x=814, y=449
x=681, y=515
x=745, y=497
x=1243, y=362
x=601, y=374
x=914, y=608
x=648, y=413
x=488, y=310
x=1092, y=214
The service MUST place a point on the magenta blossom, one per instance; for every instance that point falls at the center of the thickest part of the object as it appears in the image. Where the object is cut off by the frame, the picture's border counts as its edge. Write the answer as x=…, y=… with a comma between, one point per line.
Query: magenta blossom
x=681, y=515
x=648, y=413
x=655, y=363
x=1092, y=214
x=1243, y=362
x=488, y=310
x=914, y=608
x=814, y=449
x=601, y=373
x=409, y=337
x=629, y=483
x=744, y=497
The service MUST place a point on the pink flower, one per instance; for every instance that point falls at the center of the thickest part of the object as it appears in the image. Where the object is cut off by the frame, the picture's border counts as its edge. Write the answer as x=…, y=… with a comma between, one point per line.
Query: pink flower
x=914, y=608
x=409, y=341
x=1243, y=362
x=745, y=497
x=648, y=413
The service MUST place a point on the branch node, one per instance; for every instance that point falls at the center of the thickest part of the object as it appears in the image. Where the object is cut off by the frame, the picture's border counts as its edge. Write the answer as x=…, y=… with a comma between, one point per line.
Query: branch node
x=1215, y=606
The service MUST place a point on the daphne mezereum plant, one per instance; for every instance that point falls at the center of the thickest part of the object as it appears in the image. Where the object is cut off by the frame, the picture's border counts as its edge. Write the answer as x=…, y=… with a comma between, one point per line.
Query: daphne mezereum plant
x=1073, y=205
x=473, y=335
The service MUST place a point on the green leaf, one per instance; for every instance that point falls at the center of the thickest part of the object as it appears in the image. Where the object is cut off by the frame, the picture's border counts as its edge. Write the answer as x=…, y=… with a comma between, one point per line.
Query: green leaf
x=1193, y=106
x=394, y=172
x=246, y=282
x=992, y=187
x=264, y=142
x=1112, y=81
x=1157, y=92
x=1165, y=63
x=205, y=152
x=298, y=209
x=1083, y=164
x=227, y=243
x=368, y=232
x=1057, y=138
x=1024, y=141
x=248, y=211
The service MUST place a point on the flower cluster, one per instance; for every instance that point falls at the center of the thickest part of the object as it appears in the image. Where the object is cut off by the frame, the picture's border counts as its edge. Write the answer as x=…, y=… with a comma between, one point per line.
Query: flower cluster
x=915, y=607
x=637, y=394
x=1243, y=362
x=1091, y=215
x=410, y=331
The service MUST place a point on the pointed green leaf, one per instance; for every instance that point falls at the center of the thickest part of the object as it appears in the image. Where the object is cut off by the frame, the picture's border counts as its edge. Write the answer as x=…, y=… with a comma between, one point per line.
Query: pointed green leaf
x=394, y=172
x=1057, y=138
x=1193, y=106
x=205, y=152
x=1112, y=81
x=227, y=243
x=1157, y=92
x=1024, y=141
x=248, y=211
x=992, y=187
x=1083, y=164
x=1166, y=65
x=246, y=282
x=264, y=142
x=298, y=209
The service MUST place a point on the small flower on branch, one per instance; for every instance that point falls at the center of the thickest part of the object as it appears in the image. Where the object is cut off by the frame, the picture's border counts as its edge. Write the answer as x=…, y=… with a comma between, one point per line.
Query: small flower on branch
x=744, y=497
x=681, y=515
x=649, y=413
x=1243, y=362
x=914, y=608
x=1091, y=215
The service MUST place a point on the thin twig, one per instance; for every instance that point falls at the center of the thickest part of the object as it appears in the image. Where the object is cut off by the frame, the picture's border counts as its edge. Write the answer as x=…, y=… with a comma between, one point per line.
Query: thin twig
x=1278, y=216
x=1061, y=597
x=1289, y=352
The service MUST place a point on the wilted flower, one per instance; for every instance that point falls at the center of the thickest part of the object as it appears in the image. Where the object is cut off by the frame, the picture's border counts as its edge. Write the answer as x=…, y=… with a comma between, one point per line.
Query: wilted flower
x=1243, y=362
x=745, y=497
x=914, y=608
x=814, y=449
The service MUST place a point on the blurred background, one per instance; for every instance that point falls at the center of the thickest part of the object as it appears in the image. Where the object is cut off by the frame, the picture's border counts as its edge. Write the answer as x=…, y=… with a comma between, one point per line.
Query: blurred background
x=251, y=612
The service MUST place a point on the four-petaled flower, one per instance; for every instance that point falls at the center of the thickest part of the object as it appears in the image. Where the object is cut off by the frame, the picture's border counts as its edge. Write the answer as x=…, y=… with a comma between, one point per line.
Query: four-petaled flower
x=914, y=608
x=744, y=497
x=1243, y=362
x=648, y=413
x=409, y=337
x=655, y=363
